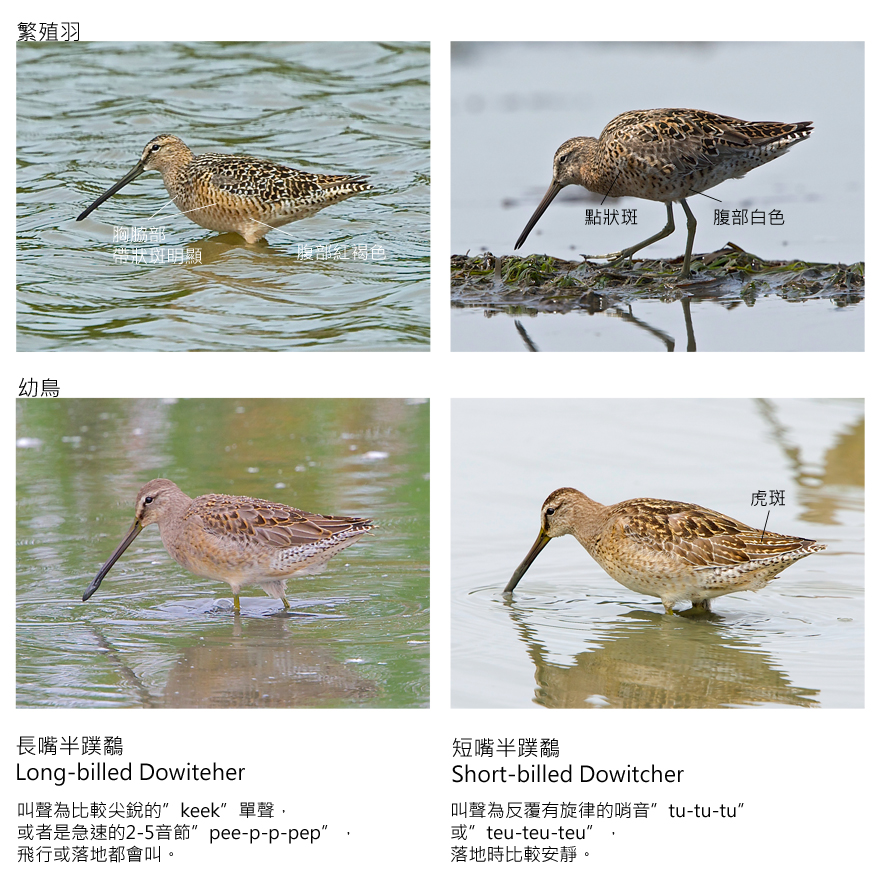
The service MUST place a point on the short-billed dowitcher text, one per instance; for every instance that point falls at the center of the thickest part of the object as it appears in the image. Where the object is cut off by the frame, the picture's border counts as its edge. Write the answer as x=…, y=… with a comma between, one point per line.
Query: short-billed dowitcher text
x=236, y=539
x=236, y=193
x=668, y=549
x=666, y=156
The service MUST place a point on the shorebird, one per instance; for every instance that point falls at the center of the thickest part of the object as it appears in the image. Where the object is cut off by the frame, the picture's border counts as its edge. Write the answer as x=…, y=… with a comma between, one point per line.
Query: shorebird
x=666, y=156
x=668, y=549
x=236, y=539
x=236, y=193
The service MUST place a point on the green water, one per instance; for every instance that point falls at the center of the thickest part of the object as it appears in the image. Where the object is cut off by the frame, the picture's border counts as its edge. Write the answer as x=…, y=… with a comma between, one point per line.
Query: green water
x=85, y=112
x=156, y=635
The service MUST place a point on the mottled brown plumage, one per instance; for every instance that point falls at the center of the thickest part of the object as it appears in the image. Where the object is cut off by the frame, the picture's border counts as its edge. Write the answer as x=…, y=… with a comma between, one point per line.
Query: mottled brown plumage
x=236, y=539
x=668, y=549
x=236, y=193
x=666, y=156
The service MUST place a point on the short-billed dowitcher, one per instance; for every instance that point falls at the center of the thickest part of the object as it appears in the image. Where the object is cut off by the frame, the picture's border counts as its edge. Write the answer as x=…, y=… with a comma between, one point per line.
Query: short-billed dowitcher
x=236, y=539
x=236, y=193
x=666, y=156
x=668, y=549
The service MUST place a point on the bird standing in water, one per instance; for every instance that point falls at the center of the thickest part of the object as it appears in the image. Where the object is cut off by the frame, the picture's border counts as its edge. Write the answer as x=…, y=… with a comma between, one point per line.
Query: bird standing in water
x=669, y=549
x=236, y=193
x=236, y=539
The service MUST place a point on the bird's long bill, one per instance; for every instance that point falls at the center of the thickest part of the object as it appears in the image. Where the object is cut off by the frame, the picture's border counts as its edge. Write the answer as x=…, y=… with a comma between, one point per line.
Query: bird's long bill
x=523, y=567
x=133, y=532
x=135, y=172
x=548, y=197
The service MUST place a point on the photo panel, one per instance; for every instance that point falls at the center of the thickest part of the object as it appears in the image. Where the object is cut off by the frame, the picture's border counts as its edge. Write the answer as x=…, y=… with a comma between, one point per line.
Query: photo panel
x=632, y=212
x=283, y=560
x=223, y=196
x=727, y=545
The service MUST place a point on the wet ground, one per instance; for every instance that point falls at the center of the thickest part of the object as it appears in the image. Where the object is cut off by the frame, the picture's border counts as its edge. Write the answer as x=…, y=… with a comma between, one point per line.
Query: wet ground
x=525, y=288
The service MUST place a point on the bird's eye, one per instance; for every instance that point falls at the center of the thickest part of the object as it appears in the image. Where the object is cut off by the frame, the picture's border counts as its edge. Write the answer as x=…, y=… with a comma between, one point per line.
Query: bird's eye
x=148, y=499
x=551, y=511
x=155, y=148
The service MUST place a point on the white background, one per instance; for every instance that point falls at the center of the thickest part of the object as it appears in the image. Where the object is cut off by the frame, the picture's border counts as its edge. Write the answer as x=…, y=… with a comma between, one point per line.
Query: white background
x=807, y=778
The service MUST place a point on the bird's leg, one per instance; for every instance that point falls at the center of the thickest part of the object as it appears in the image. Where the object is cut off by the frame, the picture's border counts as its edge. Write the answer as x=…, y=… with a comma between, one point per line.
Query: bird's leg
x=698, y=608
x=668, y=229
x=286, y=603
x=692, y=231
x=237, y=603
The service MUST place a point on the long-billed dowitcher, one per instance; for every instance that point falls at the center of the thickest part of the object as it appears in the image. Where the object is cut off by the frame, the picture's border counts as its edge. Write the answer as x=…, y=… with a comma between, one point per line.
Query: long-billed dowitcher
x=668, y=549
x=666, y=156
x=236, y=539
x=236, y=193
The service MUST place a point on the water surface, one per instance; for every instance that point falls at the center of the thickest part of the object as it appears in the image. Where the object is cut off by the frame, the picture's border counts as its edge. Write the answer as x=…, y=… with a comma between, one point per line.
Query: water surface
x=155, y=635
x=86, y=111
x=570, y=636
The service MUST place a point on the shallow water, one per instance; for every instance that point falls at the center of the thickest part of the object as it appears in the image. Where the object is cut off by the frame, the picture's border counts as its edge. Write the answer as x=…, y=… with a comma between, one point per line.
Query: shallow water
x=86, y=110
x=773, y=324
x=570, y=636
x=155, y=635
